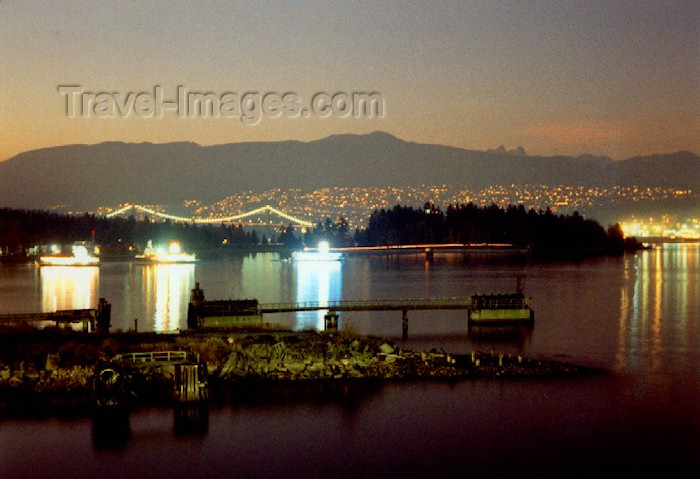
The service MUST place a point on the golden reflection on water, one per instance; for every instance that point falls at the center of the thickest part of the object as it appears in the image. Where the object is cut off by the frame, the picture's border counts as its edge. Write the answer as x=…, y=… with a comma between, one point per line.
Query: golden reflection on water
x=658, y=302
x=69, y=287
x=167, y=287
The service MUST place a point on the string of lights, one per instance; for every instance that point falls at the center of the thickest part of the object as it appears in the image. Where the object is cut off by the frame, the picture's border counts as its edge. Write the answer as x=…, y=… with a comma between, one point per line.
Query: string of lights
x=267, y=209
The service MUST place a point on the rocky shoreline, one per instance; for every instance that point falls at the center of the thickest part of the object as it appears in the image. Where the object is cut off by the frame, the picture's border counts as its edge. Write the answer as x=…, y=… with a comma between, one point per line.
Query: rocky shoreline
x=338, y=357
x=55, y=366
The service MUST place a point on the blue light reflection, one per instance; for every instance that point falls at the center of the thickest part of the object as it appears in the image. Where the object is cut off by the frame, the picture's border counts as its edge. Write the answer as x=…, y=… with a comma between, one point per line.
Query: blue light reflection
x=317, y=282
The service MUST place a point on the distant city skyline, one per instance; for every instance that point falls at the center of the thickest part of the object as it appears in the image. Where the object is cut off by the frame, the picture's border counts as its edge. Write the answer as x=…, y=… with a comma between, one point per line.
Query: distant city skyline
x=607, y=78
x=356, y=204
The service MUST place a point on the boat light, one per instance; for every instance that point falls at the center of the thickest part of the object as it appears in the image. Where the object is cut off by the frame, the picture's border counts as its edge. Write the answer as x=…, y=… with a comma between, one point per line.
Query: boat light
x=323, y=247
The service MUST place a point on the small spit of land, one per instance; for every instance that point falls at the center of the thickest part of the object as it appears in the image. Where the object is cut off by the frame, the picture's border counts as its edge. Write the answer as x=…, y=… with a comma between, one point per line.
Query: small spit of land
x=37, y=367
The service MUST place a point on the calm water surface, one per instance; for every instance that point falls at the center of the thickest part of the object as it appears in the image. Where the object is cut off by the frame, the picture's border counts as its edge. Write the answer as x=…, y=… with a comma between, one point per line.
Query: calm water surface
x=637, y=316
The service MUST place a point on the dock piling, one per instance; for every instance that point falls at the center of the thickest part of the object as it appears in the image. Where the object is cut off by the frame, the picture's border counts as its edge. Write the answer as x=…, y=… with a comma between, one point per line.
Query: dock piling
x=331, y=321
x=190, y=386
x=104, y=315
x=404, y=321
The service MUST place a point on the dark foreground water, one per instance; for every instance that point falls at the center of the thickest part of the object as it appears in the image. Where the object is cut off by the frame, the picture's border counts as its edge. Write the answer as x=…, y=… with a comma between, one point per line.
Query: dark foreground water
x=636, y=316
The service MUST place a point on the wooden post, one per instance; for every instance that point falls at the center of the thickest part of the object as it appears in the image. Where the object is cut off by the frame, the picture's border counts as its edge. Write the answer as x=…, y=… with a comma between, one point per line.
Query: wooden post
x=331, y=321
x=195, y=307
x=404, y=319
x=104, y=314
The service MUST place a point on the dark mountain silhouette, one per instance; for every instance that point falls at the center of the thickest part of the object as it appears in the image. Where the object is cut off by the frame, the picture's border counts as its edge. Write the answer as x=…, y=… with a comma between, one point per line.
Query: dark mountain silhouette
x=681, y=169
x=85, y=176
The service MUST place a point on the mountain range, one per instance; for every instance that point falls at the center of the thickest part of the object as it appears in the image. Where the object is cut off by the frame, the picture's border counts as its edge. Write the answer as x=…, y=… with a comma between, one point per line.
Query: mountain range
x=110, y=173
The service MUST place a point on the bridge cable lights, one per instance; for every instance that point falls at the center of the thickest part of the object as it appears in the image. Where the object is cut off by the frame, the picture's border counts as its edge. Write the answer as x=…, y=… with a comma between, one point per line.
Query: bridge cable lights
x=223, y=219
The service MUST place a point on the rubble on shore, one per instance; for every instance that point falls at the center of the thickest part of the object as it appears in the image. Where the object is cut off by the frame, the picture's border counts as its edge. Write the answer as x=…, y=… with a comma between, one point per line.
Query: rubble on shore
x=338, y=357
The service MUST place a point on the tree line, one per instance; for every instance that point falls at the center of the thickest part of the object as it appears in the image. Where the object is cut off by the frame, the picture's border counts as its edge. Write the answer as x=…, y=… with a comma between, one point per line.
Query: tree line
x=468, y=223
x=540, y=230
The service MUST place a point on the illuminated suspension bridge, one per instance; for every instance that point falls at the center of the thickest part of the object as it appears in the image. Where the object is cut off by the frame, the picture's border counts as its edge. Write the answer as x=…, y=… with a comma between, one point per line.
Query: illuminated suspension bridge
x=263, y=210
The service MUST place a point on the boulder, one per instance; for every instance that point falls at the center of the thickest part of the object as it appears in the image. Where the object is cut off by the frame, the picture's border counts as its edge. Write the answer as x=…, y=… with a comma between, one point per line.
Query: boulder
x=16, y=381
x=296, y=367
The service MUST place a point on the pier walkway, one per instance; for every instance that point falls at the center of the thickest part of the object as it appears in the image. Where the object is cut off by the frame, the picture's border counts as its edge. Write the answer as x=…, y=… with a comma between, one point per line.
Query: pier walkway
x=403, y=305
x=369, y=305
x=70, y=316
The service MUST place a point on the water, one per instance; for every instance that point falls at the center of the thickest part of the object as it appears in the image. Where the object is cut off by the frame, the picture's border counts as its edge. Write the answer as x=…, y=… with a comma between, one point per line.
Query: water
x=637, y=316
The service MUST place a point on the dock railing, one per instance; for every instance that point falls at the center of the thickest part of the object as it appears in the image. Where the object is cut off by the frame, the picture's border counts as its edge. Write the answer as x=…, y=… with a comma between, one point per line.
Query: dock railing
x=155, y=357
x=370, y=305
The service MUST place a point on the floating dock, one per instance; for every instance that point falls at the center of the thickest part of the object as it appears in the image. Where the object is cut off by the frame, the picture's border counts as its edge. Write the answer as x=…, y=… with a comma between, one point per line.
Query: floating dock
x=500, y=309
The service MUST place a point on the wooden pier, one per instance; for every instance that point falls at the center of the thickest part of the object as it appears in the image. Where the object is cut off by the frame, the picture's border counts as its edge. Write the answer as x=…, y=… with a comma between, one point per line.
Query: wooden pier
x=235, y=313
x=92, y=320
x=189, y=374
x=60, y=318
x=369, y=305
x=510, y=308
x=116, y=391
x=403, y=305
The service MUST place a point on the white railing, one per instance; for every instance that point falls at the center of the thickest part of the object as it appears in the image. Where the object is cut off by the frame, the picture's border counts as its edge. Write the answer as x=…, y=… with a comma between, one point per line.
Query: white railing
x=154, y=357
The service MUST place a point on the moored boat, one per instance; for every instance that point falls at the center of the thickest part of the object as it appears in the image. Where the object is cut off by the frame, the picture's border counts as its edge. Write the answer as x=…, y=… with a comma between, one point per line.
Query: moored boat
x=322, y=253
x=79, y=256
x=173, y=254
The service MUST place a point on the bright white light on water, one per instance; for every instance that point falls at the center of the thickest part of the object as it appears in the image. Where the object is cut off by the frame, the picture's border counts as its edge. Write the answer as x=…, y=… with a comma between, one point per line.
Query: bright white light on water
x=172, y=286
x=174, y=248
x=317, y=282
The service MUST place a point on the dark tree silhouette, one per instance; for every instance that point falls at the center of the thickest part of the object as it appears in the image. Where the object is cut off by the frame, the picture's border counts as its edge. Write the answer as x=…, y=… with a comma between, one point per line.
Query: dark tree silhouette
x=538, y=230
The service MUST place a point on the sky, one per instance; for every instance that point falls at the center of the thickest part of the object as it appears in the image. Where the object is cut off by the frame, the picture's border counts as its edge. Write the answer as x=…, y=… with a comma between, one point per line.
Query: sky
x=616, y=78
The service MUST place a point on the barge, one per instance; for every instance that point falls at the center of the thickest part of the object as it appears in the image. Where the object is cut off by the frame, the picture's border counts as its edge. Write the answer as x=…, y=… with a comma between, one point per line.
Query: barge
x=501, y=309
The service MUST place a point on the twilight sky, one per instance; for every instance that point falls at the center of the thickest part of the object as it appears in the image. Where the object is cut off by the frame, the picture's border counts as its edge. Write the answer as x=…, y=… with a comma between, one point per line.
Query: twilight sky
x=620, y=78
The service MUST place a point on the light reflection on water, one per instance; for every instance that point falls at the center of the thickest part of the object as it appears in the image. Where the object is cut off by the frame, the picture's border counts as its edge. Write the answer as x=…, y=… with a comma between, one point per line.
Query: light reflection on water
x=166, y=287
x=651, y=297
x=68, y=287
x=317, y=282
x=656, y=309
x=637, y=316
